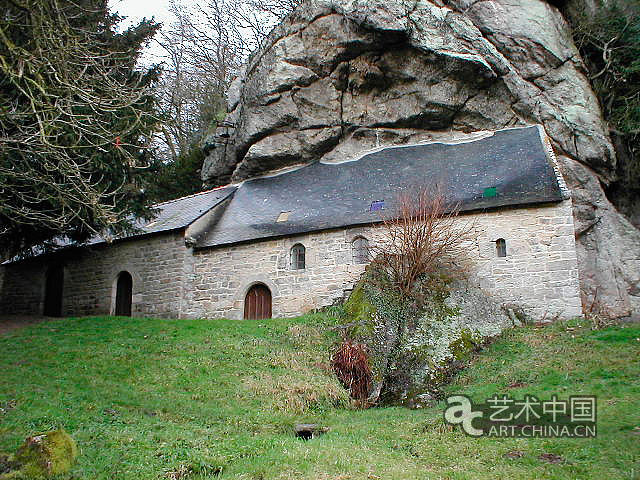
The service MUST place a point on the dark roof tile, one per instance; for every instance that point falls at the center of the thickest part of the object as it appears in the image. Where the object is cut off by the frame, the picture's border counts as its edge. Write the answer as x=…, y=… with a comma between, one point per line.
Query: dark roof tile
x=181, y=212
x=320, y=196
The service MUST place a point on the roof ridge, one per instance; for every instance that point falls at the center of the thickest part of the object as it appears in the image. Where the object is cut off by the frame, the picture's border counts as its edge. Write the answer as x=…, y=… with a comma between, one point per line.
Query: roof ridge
x=192, y=195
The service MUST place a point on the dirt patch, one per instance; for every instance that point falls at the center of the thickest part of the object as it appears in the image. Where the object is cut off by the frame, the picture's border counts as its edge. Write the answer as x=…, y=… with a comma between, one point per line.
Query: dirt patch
x=513, y=454
x=551, y=458
x=9, y=323
x=516, y=385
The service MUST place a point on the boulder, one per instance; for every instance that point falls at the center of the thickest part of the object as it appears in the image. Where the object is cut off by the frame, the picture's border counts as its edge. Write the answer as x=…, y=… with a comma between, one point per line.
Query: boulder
x=41, y=456
x=336, y=78
x=413, y=351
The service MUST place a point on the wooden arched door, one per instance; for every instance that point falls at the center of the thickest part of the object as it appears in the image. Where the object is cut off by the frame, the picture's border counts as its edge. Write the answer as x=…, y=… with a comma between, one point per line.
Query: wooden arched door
x=53, y=287
x=257, y=303
x=124, y=291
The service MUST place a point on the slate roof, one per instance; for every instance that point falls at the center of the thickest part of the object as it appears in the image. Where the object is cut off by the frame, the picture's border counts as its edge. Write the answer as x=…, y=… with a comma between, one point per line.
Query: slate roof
x=178, y=213
x=171, y=215
x=514, y=162
x=181, y=212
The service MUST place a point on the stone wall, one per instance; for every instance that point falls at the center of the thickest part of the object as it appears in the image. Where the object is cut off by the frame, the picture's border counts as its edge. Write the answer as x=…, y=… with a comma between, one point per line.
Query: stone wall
x=539, y=272
x=169, y=280
x=222, y=276
x=156, y=264
x=338, y=78
x=22, y=289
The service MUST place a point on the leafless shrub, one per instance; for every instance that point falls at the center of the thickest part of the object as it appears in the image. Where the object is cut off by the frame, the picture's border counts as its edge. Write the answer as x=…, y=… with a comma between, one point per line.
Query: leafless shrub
x=351, y=365
x=424, y=237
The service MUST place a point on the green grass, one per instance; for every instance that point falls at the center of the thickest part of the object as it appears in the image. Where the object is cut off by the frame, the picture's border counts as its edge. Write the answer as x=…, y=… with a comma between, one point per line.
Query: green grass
x=194, y=399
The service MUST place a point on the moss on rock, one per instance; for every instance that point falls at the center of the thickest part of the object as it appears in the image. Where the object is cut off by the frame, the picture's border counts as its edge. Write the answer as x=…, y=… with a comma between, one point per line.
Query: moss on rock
x=414, y=346
x=42, y=456
x=361, y=313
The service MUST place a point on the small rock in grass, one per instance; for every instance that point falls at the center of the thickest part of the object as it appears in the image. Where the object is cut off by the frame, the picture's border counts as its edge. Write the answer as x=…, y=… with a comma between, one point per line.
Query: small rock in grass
x=41, y=456
x=551, y=458
x=307, y=431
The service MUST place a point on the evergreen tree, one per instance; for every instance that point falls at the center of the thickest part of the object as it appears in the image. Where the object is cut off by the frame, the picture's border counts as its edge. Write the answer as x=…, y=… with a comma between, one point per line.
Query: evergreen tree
x=76, y=119
x=176, y=178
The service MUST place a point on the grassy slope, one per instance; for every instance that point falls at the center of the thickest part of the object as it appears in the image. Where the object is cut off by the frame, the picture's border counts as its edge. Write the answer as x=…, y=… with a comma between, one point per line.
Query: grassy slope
x=149, y=399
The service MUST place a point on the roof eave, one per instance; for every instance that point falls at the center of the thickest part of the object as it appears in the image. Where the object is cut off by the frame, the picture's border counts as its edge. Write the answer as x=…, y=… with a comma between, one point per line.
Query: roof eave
x=463, y=211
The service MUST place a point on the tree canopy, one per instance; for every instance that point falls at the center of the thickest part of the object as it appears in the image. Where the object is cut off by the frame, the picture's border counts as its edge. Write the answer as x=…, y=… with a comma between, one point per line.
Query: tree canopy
x=76, y=119
x=205, y=46
x=608, y=37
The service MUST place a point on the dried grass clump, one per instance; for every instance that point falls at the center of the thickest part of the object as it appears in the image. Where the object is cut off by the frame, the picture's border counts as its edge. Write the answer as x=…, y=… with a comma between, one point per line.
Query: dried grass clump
x=290, y=393
x=595, y=311
x=306, y=335
x=183, y=471
x=351, y=365
x=299, y=361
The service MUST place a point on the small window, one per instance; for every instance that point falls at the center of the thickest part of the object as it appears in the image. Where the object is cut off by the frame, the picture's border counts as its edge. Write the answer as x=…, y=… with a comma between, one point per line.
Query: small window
x=376, y=206
x=297, y=257
x=360, y=250
x=501, y=247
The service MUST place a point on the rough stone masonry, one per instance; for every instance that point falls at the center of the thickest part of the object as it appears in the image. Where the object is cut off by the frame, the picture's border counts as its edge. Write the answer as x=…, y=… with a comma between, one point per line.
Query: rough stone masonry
x=540, y=271
x=170, y=280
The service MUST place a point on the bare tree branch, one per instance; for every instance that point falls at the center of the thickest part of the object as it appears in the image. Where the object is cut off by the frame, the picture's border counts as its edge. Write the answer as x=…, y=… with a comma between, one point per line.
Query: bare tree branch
x=424, y=237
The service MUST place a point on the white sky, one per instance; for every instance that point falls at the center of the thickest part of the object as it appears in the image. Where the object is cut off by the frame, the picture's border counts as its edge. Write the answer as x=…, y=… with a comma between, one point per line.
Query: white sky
x=136, y=10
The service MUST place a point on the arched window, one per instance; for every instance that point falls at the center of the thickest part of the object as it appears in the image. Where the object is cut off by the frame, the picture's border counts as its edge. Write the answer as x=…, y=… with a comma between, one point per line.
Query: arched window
x=297, y=257
x=124, y=291
x=360, y=250
x=501, y=247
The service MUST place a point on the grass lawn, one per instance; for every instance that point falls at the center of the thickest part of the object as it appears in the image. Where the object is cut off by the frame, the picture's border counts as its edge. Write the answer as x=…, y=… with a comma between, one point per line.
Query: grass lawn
x=194, y=399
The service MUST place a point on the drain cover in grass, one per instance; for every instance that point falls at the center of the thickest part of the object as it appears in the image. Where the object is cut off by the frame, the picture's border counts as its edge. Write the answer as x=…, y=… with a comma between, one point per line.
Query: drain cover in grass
x=307, y=431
